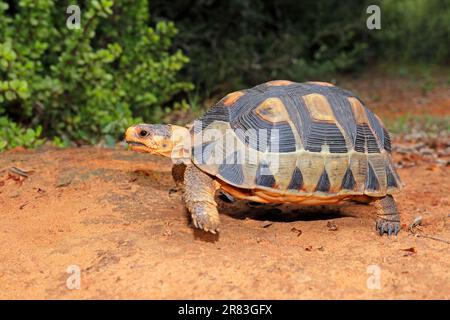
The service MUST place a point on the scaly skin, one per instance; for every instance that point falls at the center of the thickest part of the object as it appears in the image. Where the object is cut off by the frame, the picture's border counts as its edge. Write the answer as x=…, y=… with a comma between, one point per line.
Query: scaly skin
x=388, y=218
x=199, y=191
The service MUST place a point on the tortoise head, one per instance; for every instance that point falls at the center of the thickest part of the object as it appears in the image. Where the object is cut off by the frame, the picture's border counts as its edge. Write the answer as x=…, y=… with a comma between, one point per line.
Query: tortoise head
x=166, y=140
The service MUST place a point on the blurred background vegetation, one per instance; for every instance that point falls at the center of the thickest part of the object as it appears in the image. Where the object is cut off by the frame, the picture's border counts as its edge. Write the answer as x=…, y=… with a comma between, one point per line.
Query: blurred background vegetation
x=135, y=60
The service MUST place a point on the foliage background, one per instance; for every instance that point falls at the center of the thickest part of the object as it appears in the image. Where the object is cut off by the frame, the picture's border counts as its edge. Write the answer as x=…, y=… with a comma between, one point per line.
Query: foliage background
x=237, y=43
x=139, y=60
x=87, y=84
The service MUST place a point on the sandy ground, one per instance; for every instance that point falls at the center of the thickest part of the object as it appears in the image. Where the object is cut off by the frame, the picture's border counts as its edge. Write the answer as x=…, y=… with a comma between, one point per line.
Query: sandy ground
x=114, y=216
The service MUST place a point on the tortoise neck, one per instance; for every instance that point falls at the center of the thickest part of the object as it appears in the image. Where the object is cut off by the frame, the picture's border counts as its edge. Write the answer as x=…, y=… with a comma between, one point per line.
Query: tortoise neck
x=181, y=145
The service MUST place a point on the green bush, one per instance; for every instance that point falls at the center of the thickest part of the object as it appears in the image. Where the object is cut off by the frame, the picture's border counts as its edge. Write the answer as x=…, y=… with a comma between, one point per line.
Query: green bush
x=84, y=84
x=89, y=84
x=11, y=135
x=414, y=31
x=235, y=44
x=240, y=43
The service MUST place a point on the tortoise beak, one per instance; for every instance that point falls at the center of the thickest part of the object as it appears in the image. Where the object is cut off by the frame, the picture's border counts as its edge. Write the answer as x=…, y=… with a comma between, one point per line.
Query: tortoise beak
x=134, y=143
x=131, y=136
x=134, y=140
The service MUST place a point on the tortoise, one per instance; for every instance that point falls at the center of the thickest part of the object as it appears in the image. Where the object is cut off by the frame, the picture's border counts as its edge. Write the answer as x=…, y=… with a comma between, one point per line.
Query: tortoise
x=309, y=143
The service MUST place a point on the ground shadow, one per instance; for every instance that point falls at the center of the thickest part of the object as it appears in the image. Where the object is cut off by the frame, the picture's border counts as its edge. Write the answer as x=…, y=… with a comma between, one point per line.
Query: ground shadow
x=281, y=212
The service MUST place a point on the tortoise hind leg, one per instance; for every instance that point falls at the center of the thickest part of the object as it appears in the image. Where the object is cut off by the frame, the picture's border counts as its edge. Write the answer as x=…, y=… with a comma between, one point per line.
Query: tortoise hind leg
x=199, y=190
x=388, y=218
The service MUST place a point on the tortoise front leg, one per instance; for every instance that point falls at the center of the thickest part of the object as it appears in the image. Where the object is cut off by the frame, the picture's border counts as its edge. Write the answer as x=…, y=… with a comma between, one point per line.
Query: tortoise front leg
x=388, y=218
x=199, y=190
x=178, y=170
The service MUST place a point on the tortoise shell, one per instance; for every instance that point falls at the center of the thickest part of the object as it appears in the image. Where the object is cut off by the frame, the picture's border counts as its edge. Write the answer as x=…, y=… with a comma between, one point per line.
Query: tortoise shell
x=283, y=141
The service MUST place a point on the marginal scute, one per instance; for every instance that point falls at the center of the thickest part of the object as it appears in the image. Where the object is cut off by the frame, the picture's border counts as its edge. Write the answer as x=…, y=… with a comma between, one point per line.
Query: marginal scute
x=371, y=179
x=296, y=182
x=324, y=182
x=392, y=179
x=264, y=177
x=378, y=163
x=204, y=152
x=358, y=166
x=391, y=182
x=348, y=182
x=311, y=165
x=336, y=166
x=231, y=170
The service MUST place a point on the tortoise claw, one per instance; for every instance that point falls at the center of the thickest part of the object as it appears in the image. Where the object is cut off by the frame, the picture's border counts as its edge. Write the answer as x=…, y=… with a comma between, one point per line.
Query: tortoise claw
x=389, y=227
x=206, y=222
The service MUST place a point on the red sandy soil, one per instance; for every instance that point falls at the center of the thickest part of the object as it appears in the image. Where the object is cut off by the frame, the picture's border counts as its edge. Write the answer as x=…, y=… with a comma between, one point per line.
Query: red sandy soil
x=393, y=96
x=115, y=215
x=112, y=214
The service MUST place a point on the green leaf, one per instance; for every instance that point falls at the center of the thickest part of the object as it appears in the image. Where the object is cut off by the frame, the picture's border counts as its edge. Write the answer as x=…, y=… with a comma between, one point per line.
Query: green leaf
x=10, y=95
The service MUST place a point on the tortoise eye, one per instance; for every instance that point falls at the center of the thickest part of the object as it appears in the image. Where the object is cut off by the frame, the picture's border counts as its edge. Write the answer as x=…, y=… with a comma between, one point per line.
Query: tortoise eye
x=143, y=133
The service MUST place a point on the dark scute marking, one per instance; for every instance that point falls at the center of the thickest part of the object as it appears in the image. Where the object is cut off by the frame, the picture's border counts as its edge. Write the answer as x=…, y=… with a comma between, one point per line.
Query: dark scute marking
x=296, y=182
x=310, y=87
x=298, y=113
x=232, y=171
x=365, y=139
x=264, y=177
x=360, y=143
x=322, y=133
x=377, y=127
x=281, y=139
x=275, y=137
x=247, y=103
x=202, y=153
x=371, y=179
x=216, y=113
x=387, y=141
x=343, y=113
x=324, y=182
x=326, y=90
x=348, y=182
x=372, y=144
x=391, y=182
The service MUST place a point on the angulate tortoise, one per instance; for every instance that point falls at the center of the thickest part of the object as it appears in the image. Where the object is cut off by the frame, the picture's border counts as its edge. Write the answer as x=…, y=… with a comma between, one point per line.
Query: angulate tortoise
x=280, y=142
